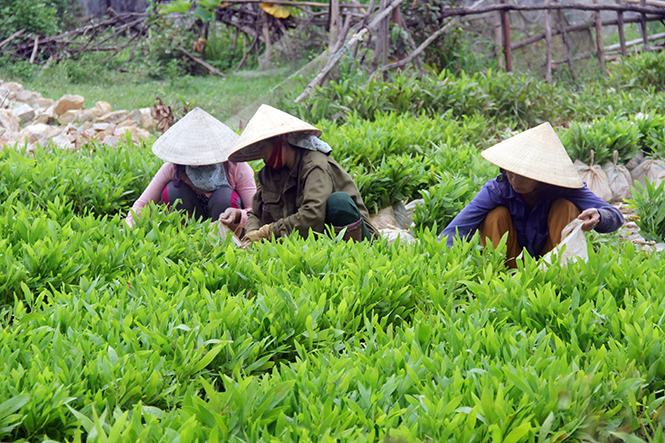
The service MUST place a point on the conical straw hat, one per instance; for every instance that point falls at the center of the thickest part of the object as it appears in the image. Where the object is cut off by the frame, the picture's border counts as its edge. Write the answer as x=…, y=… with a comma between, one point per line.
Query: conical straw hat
x=537, y=154
x=267, y=122
x=196, y=139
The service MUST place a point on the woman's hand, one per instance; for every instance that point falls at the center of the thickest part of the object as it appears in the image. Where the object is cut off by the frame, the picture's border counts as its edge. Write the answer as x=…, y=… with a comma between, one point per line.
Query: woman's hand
x=263, y=233
x=231, y=217
x=590, y=217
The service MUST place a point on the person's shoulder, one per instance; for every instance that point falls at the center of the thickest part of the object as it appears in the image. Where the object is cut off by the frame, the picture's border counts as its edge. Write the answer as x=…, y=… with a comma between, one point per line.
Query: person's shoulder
x=496, y=186
x=312, y=159
x=237, y=166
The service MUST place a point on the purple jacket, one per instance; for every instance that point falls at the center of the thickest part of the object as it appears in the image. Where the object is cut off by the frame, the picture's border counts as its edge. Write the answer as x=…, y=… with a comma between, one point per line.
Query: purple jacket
x=530, y=223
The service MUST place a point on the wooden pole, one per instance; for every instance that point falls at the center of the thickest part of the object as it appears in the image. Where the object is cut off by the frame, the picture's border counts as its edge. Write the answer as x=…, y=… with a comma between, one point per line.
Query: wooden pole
x=201, y=62
x=566, y=44
x=385, y=31
x=635, y=42
x=266, y=40
x=380, y=48
x=34, y=50
x=333, y=24
x=575, y=28
x=656, y=3
x=548, y=44
x=444, y=13
x=11, y=37
x=399, y=21
x=622, y=35
x=497, y=39
x=599, y=40
x=643, y=26
x=505, y=24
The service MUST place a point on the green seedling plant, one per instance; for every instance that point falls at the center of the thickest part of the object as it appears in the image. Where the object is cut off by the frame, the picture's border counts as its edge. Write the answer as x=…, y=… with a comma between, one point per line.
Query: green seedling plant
x=649, y=203
x=165, y=332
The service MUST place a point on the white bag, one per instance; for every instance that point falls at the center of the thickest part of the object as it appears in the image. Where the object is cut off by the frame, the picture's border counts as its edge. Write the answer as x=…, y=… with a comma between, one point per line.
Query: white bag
x=574, y=240
x=650, y=169
x=635, y=161
x=619, y=179
x=223, y=231
x=596, y=179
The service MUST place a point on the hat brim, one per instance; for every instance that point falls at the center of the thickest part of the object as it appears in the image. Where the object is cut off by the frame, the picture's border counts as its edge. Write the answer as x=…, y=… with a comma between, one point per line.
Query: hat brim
x=195, y=140
x=536, y=154
x=252, y=151
x=266, y=123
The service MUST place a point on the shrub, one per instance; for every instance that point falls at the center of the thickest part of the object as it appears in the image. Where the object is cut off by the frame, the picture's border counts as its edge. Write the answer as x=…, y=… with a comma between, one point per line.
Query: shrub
x=649, y=205
x=35, y=16
x=645, y=70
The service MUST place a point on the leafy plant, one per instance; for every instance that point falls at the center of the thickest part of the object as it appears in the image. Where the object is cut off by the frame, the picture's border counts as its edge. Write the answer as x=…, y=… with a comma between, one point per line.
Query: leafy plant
x=649, y=204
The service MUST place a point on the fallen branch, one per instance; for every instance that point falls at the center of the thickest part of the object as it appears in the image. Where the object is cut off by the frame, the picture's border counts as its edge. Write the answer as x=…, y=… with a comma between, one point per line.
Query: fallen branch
x=656, y=3
x=550, y=7
x=11, y=37
x=202, y=62
x=349, y=43
x=295, y=4
x=636, y=42
x=426, y=43
x=244, y=56
x=34, y=50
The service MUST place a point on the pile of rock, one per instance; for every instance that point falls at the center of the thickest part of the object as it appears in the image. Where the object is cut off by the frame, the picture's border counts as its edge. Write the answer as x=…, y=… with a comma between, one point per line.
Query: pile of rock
x=27, y=118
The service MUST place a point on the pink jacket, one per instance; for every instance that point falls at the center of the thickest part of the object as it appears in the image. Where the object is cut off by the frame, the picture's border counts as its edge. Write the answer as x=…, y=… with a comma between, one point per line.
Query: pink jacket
x=239, y=175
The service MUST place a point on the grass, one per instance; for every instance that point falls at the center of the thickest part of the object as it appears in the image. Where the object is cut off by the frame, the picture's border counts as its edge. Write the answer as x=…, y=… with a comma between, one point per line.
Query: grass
x=221, y=97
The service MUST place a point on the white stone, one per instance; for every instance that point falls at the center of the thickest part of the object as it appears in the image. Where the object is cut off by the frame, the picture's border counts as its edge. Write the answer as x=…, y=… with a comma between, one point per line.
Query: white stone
x=23, y=96
x=28, y=136
x=13, y=86
x=127, y=123
x=40, y=130
x=114, y=117
x=85, y=115
x=24, y=112
x=85, y=127
x=147, y=120
x=68, y=102
x=68, y=117
x=104, y=106
x=63, y=142
x=42, y=118
x=9, y=120
x=100, y=126
x=44, y=102
x=110, y=140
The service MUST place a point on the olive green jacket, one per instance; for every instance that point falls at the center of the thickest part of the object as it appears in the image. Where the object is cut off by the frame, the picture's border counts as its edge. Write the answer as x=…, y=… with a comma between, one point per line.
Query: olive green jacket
x=295, y=199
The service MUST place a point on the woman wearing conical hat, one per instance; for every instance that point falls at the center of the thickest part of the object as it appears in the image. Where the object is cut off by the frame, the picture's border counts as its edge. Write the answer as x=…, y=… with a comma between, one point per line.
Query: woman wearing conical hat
x=300, y=187
x=197, y=176
x=536, y=195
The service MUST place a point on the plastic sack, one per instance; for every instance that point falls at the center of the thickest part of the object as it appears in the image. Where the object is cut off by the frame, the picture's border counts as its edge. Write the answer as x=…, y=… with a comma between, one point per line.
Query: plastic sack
x=596, y=180
x=635, y=161
x=392, y=235
x=650, y=169
x=619, y=179
x=392, y=217
x=223, y=231
x=573, y=243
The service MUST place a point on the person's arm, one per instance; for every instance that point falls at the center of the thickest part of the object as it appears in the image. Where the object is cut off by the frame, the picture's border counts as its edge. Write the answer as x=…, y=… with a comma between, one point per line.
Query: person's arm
x=317, y=188
x=467, y=221
x=611, y=218
x=255, y=215
x=245, y=186
x=153, y=192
